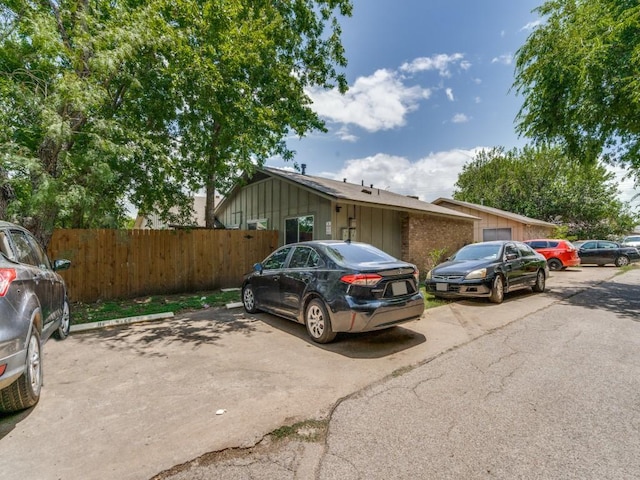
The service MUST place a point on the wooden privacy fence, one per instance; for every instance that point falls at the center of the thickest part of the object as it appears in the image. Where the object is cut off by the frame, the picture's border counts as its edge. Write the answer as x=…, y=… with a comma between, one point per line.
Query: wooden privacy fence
x=110, y=264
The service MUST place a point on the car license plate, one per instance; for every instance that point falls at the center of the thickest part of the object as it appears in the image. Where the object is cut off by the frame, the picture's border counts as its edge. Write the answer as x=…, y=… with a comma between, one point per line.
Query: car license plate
x=442, y=287
x=399, y=288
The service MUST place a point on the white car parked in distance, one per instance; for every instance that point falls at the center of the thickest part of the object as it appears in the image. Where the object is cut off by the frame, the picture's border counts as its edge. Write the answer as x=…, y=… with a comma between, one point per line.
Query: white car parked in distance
x=631, y=241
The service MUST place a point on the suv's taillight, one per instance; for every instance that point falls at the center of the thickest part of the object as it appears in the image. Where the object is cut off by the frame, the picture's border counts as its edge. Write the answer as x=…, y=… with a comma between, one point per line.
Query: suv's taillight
x=7, y=275
x=366, y=279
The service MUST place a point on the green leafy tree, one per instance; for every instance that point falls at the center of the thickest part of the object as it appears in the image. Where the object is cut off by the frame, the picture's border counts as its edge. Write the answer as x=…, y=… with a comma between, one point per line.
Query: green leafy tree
x=103, y=101
x=85, y=107
x=541, y=182
x=250, y=63
x=579, y=73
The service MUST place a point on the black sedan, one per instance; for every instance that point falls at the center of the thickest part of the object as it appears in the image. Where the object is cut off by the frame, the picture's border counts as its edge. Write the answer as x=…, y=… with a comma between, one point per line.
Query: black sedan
x=603, y=252
x=333, y=286
x=489, y=269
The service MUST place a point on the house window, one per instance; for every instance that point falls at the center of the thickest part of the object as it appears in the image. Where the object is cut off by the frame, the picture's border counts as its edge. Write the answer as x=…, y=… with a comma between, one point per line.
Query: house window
x=298, y=229
x=259, y=224
x=489, y=234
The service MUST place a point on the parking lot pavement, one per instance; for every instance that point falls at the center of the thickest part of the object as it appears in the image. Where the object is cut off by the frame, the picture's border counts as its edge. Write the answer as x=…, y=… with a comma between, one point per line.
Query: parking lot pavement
x=130, y=402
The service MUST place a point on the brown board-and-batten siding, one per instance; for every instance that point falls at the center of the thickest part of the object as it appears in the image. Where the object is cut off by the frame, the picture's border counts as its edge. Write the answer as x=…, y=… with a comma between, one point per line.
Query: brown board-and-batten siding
x=276, y=200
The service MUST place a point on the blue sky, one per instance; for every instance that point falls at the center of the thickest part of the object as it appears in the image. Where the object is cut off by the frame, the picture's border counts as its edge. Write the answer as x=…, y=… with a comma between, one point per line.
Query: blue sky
x=430, y=84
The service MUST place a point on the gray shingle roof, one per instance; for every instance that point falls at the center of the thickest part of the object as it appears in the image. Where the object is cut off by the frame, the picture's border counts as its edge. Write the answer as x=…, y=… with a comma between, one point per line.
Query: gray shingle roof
x=496, y=211
x=363, y=194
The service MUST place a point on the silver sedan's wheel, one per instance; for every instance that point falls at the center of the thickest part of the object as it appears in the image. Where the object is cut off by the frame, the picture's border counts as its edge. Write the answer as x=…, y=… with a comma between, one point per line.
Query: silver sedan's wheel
x=497, y=290
x=65, y=322
x=318, y=322
x=25, y=391
x=540, y=282
x=622, y=261
x=249, y=299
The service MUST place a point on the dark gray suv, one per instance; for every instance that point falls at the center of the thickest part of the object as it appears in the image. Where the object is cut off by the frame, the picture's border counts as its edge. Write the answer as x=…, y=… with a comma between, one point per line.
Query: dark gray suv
x=33, y=307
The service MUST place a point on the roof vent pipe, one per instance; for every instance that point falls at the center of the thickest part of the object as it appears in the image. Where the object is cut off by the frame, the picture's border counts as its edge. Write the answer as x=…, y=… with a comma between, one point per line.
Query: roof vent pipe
x=344, y=180
x=303, y=166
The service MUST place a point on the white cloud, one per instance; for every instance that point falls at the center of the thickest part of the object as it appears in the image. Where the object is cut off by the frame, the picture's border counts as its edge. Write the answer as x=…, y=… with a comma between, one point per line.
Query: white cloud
x=460, y=118
x=378, y=102
x=345, y=135
x=440, y=62
x=449, y=93
x=429, y=178
x=531, y=25
x=505, y=59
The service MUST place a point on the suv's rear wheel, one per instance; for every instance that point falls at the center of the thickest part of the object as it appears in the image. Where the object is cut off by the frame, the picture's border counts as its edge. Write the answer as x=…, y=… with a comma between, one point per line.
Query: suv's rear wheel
x=25, y=391
x=65, y=323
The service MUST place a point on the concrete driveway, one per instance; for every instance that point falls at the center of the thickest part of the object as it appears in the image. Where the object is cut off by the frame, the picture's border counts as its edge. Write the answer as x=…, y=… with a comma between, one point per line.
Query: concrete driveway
x=130, y=402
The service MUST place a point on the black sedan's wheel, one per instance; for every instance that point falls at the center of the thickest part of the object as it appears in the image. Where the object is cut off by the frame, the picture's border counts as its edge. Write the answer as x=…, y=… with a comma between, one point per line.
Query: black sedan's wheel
x=622, y=261
x=540, y=282
x=497, y=290
x=25, y=392
x=554, y=264
x=317, y=321
x=249, y=299
x=65, y=323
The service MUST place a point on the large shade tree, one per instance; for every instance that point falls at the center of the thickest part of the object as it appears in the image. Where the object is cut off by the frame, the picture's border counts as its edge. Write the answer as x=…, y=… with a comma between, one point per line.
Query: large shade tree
x=579, y=73
x=541, y=182
x=107, y=100
x=84, y=112
x=249, y=64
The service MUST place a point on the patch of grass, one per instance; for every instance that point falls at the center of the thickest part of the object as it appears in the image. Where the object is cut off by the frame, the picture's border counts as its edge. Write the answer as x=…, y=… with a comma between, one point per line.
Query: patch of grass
x=430, y=301
x=308, y=431
x=626, y=268
x=112, y=309
x=401, y=371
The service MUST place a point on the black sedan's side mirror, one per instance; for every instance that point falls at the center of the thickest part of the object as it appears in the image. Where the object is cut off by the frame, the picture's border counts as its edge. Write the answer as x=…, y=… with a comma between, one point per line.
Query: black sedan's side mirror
x=257, y=267
x=511, y=256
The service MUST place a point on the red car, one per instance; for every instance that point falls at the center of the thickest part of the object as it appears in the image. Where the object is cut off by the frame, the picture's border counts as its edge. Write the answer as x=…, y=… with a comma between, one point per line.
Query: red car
x=560, y=254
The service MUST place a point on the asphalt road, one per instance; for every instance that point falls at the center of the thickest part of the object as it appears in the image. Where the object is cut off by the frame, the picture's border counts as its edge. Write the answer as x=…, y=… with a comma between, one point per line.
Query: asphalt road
x=472, y=390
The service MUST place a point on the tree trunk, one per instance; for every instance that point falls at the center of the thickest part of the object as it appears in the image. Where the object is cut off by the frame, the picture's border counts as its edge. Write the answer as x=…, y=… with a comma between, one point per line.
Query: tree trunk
x=210, y=203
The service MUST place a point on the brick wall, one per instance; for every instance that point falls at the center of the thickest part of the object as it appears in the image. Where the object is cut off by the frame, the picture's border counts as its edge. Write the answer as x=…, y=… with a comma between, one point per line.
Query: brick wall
x=424, y=234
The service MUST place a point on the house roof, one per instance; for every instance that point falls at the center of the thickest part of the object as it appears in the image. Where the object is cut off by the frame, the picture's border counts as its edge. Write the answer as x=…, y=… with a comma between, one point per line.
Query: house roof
x=496, y=211
x=359, y=194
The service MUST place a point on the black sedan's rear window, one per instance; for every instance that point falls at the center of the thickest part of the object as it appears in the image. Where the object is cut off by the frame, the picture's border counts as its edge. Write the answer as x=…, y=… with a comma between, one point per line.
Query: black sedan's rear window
x=358, y=253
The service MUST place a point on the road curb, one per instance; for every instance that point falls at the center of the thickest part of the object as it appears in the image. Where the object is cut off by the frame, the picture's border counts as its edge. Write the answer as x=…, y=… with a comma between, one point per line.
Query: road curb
x=120, y=321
